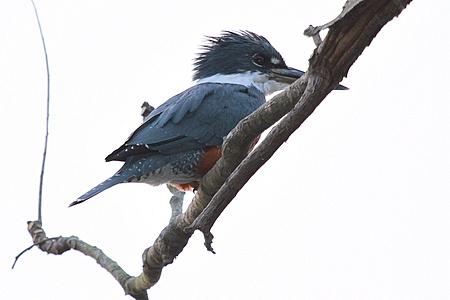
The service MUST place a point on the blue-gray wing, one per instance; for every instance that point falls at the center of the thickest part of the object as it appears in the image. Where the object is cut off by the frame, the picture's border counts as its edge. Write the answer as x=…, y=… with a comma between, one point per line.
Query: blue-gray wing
x=199, y=117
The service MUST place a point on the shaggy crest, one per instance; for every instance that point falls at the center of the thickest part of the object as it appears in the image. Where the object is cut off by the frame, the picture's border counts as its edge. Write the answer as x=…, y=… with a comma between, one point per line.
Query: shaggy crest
x=232, y=52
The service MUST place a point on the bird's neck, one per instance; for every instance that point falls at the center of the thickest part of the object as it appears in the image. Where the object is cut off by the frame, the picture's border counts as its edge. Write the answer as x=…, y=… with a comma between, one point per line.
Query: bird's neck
x=256, y=79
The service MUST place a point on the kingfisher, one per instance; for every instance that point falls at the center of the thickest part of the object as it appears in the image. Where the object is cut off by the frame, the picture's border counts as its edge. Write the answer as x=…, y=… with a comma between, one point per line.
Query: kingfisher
x=181, y=139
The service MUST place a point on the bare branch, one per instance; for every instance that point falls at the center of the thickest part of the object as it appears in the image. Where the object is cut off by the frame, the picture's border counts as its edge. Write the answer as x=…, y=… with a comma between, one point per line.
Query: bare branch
x=176, y=202
x=331, y=61
x=312, y=31
x=29, y=248
x=44, y=155
x=60, y=245
x=315, y=34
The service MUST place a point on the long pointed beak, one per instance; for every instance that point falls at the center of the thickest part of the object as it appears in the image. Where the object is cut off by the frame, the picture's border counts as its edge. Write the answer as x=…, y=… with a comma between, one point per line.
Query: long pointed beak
x=289, y=75
x=285, y=75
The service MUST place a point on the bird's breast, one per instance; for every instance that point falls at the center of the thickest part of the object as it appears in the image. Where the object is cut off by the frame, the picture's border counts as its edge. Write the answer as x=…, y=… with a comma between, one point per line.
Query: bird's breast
x=208, y=159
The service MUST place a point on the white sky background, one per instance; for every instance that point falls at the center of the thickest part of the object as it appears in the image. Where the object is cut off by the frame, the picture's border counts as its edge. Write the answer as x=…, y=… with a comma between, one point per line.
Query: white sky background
x=356, y=205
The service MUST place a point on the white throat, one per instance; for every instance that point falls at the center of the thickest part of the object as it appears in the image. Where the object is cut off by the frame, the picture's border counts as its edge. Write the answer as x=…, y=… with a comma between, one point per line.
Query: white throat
x=256, y=79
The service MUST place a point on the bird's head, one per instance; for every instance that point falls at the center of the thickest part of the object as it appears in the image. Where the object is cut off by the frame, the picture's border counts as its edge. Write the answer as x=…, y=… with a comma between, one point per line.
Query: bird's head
x=245, y=58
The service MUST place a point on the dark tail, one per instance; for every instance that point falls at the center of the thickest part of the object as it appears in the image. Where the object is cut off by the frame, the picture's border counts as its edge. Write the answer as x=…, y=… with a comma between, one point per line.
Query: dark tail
x=115, y=179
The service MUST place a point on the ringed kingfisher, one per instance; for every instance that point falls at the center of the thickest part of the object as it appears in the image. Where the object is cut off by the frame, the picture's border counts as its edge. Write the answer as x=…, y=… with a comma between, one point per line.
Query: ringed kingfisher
x=181, y=139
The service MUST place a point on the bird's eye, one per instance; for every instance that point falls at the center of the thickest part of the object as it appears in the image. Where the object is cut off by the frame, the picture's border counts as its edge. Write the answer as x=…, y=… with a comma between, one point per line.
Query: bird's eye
x=258, y=60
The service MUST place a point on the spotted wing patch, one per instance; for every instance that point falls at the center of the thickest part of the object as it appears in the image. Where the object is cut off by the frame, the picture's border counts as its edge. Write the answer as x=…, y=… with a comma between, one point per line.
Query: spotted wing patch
x=127, y=150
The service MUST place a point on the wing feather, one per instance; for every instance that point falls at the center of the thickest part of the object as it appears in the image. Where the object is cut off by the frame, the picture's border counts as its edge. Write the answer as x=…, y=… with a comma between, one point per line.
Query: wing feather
x=194, y=119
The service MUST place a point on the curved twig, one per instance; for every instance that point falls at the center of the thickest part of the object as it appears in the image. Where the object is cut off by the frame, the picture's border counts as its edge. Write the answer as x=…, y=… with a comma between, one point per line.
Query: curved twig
x=30, y=247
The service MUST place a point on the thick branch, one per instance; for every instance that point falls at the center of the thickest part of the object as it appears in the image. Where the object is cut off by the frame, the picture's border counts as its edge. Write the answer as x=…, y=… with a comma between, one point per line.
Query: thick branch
x=349, y=34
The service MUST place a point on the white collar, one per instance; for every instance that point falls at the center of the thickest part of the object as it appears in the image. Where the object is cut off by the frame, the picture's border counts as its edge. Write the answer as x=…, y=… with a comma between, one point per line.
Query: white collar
x=256, y=79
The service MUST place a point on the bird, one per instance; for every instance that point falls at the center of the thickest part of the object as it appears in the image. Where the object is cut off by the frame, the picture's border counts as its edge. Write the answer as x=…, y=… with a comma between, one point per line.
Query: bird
x=181, y=139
